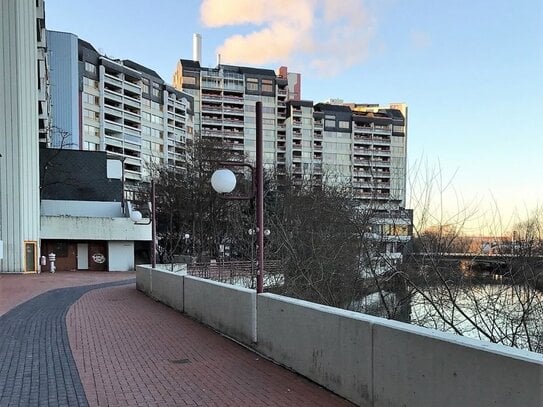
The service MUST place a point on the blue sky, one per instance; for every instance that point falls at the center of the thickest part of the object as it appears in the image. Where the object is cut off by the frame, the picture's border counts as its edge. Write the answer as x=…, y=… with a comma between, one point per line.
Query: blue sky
x=470, y=71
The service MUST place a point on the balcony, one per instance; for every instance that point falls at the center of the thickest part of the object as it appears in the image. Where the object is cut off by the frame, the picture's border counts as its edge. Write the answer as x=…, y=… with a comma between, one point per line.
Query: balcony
x=110, y=110
x=132, y=102
x=108, y=124
x=235, y=99
x=110, y=94
x=210, y=96
x=113, y=80
x=381, y=141
x=382, y=129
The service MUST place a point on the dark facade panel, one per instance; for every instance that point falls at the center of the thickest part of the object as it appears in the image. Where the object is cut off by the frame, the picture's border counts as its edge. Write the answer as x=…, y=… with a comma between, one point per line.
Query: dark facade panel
x=340, y=114
x=75, y=175
x=190, y=65
x=144, y=70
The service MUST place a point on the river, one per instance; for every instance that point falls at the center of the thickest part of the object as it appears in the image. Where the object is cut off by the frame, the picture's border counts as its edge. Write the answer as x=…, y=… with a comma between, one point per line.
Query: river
x=507, y=314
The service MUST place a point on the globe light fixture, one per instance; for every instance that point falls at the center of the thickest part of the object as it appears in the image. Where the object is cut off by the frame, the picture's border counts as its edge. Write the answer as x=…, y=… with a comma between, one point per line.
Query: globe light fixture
x=223, y=181
x=136, y=216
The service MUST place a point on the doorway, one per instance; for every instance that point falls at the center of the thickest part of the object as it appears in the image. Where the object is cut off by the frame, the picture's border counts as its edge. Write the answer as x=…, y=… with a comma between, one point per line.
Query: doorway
x=82, y=256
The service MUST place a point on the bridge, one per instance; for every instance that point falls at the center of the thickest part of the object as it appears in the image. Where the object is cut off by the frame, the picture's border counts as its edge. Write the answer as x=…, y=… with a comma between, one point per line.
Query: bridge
x=478, y=261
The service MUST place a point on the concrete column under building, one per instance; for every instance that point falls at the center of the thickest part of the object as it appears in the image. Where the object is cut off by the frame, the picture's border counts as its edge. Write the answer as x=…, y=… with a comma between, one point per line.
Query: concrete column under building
x=19, y=170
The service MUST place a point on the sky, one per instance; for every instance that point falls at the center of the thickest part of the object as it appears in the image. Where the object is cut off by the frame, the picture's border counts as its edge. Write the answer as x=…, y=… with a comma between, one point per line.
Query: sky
x=471, y=73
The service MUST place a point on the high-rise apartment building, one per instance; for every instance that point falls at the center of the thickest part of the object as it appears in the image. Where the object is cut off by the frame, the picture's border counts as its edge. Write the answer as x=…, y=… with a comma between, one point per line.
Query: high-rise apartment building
x=118, y=106
x=364, y=145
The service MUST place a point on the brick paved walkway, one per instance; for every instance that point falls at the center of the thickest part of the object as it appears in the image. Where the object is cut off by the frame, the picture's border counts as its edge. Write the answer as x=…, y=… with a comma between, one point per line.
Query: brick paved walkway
x=36, y=363
x=17, y=288
x=133, y=351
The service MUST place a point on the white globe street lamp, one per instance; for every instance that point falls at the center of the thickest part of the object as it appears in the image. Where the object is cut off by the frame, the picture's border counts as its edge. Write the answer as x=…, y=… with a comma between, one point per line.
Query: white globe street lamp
x=223, y=181
x=136, y=216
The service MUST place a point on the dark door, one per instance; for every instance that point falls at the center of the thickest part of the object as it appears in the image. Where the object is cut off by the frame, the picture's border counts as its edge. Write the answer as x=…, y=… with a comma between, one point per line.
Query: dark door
x=98, y=256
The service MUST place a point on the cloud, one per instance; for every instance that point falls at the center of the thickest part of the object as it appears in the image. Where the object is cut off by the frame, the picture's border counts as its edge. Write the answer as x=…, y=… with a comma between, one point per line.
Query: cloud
x=323, y=36
x=420, y=40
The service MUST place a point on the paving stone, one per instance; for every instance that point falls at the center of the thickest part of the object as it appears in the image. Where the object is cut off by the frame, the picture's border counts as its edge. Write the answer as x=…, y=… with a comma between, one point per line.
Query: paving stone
x=150, y=354
x=36, y=362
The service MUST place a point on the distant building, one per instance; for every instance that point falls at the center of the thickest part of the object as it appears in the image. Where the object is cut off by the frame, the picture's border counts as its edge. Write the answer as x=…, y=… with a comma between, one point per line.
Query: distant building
x=101, y=103
x=364, y=145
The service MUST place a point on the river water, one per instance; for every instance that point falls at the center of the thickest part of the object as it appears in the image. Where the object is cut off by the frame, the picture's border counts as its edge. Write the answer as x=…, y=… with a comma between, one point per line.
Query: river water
x=499, y=313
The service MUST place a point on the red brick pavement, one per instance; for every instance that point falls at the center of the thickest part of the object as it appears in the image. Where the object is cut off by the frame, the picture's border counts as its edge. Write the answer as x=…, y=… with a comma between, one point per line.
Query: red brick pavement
x=133, y=351
x=18, y=288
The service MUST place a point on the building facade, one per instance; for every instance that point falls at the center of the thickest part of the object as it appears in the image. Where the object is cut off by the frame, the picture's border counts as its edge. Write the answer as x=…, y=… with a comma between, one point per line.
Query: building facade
x=23, y=124
x=84, y=219
x=118, y=106
x=363, y=145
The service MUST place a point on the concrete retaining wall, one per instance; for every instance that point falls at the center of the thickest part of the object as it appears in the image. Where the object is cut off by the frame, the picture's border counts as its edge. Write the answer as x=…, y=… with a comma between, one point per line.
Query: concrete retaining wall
x=143, y=279
x=330, y=346
x=376, y=362
x=228, y=309
x=368, y=360
x=167, y=287
x=413, y=366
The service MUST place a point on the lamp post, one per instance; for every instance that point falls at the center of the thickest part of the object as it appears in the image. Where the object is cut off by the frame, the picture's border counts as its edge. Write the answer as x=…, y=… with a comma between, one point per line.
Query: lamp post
x=136, y=217
x=224, y=181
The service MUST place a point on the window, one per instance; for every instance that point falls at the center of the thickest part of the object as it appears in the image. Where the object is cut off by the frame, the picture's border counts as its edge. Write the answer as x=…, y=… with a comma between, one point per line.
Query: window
x=156, y=106
x=146, y=131
x=343, y=124
x=146, y=144
x=252, y=84
x=91, y=99
x=270, y=110
x=89, y=114
x=90, y=131
x=90, y=146
x=146, y=102
x=90, y=67
x=267, y=85
x=157, y=147
x=90, y=82
x=156, y=133
x=189, y=80
x=145, y=116
x=156, y=119
x=330, y=123
x=156, y=89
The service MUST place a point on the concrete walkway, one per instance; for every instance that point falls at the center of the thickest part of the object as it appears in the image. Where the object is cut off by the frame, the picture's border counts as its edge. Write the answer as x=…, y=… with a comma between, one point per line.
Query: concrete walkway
x=110, y=345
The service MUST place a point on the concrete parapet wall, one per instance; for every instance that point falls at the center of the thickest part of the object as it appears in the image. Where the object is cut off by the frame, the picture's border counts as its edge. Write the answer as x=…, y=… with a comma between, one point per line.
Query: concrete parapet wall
x=228, y=309
x=370, y=361
x=330, y=346
x=376, y=362
x=143, y=279
x=413, y=366
x=167, y=287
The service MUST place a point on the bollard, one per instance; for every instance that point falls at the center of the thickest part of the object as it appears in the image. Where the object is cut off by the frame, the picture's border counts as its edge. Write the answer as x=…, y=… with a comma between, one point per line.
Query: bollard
x=52, y=258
